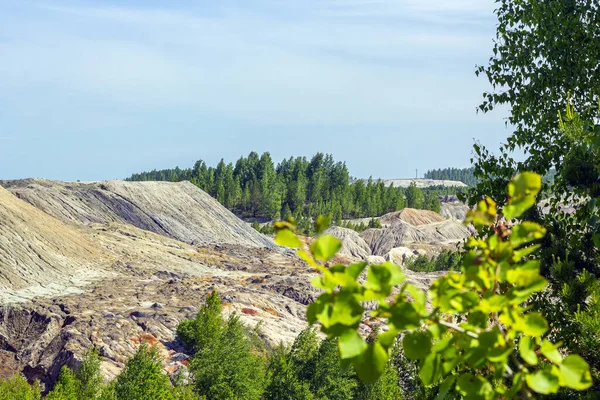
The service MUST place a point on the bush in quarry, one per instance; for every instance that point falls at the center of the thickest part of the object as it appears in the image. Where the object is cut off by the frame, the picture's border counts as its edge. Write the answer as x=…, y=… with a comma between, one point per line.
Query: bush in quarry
x=481, y=340
x=141, y=379
x=225, y=363
x=17, y=388
x=84, y=384
x=310, y=369
x=445, y=261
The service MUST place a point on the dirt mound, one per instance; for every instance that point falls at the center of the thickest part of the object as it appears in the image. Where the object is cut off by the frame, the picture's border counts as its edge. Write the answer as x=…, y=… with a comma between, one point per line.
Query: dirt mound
x=402, y=234
x=352, y=244
x=177, y=210
x=40, y=254
x=454, y=210
x=411, y=216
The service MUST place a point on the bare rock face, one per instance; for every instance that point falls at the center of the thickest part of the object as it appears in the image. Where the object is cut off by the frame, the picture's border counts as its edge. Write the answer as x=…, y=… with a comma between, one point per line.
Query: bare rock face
x=399, y=255
x=41, y=255
x=402, y=234
x=411, y=216
x=138, y=284
x=454, y=210
x=179, y=210
x=352, y=244
x=115, y=264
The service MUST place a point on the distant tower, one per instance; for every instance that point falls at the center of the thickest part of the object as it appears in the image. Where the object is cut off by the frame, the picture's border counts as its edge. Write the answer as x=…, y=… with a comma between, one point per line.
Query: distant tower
x=416, y=173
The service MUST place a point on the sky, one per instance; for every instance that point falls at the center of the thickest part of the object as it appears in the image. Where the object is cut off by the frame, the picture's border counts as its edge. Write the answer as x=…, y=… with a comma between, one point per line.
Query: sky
x=93, y=90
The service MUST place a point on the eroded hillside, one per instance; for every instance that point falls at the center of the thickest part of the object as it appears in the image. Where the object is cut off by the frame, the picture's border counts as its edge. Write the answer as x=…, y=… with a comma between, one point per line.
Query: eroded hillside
x=114, y=264
x=177, y=210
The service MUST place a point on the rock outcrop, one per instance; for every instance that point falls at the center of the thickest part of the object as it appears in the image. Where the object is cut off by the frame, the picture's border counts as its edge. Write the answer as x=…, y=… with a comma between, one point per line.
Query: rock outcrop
x=411, y=216
x=115, y=285
x=352, y=244
x=40, y=255
x=454, y=210
x=116, y=264
x=402, y=234
x=399, y=255
x=179, y=210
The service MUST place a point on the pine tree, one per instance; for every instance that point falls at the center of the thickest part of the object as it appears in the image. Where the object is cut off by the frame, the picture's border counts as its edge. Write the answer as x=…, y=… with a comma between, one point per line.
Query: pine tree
x=17, y=388
x=66, y=388
x=414, y=197
x=143, y=378
x=330, y=380
x=224, y=363
x=284, y=382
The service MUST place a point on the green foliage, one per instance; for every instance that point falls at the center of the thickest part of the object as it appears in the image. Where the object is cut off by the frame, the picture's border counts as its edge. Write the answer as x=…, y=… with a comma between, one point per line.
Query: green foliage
x=464, y=175
x=446, y=261
x=331, y=381
x=374, y=223
x=285, y=380
x=225, y=362
x=17, y=388
x=414, y=197
x=467, y=344
x=296, y=187
x=143, y=378
x=66, y=388
x=88, y=376
x=432, y=202
x=545, y=57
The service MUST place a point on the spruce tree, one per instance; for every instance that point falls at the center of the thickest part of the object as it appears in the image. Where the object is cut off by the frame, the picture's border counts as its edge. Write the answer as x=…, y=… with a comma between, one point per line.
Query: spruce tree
x=143, y=378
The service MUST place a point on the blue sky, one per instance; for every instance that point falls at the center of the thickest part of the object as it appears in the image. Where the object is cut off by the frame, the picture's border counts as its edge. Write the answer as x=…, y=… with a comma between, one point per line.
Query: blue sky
x=98, y=90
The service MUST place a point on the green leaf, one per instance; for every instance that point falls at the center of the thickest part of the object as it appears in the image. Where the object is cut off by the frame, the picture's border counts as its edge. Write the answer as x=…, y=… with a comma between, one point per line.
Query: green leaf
x=575, y=373
x=524, y=275
x=371, y=363
x=351, y=344
x=431, y=369
x=445, y=387
x=382, y=277
x=388, y=338
x=527, y=350
x=289, y=224
x=345, y=312
x=417, y=345
x=308, y=259
x=354, y=270
x=596, y=240
x=322, y=223
x=287, y=238
x=316, y=308
x=324, y=247
x=544, y=382
x=405, y=317
x=474, y=387
x=526, y=232
x=484, y=214
x=418, y=296
x=521, y=194
x=534, y=325
x=500, y=354
x=550, y=351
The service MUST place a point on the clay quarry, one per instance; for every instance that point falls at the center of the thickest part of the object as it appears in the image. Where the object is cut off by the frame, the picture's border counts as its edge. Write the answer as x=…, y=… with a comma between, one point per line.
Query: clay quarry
x=114, y=264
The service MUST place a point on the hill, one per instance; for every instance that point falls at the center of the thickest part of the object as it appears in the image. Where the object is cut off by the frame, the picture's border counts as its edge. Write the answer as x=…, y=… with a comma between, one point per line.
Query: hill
x=180, y=211
x=42, y=255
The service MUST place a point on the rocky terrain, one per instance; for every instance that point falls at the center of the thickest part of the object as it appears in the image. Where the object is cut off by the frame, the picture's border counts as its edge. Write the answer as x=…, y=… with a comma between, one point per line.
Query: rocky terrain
x=407, y=233
x=114, y=264
x=176, y=210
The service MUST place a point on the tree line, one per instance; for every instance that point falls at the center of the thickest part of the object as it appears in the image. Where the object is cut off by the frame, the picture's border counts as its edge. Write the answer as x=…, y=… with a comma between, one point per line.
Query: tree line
x=228, y=361
x=464, y=175
x=256, y=187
